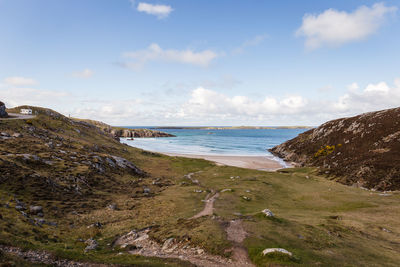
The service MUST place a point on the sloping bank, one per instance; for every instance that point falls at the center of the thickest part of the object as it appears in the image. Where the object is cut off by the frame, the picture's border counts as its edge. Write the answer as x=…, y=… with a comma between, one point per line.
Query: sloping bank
x=363, y=150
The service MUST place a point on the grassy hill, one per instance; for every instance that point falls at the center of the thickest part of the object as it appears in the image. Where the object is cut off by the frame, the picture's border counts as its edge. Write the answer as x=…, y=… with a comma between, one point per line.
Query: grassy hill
x=94, y=189
x=363, y=150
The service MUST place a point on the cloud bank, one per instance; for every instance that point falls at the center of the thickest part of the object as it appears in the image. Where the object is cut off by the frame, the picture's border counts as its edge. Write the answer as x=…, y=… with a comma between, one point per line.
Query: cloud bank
x=335, y=28
x=155, y=53
x=209, y=107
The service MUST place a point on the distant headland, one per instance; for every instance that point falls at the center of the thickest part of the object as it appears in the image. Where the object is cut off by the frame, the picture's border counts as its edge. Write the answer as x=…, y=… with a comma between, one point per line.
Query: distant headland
x=231, y=127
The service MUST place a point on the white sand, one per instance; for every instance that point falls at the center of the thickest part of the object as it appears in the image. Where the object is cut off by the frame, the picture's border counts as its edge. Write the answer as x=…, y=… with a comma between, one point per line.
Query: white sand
x=249, y=162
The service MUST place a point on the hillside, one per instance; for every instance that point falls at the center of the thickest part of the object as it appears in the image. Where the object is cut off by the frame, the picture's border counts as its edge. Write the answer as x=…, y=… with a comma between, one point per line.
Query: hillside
x=71, y=195
x=363, y=150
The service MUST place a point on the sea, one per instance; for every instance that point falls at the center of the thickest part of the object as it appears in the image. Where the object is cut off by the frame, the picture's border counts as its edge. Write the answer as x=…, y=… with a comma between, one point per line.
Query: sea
x=229, y=142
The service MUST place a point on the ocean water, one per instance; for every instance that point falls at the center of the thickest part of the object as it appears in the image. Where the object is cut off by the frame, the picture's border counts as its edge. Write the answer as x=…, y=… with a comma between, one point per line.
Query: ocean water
x=243, y=142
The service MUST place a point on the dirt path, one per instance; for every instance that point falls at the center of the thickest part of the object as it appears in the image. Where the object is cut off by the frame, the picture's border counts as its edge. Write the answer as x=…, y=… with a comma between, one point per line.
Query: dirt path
x=171, y=248
x=237, y=235
x=17, y=116
x=208, y=208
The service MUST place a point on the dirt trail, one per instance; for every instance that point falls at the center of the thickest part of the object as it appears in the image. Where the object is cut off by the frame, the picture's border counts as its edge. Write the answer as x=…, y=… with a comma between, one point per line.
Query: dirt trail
x=208, y=208
x=171, y=248
x=237, y=235
x=17, y=116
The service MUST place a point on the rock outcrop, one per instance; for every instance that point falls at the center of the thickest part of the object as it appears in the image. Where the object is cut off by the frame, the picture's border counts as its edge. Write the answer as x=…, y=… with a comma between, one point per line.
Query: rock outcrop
x=3, y=112
x=363, y=150
x=117, y=132
x=139, y=133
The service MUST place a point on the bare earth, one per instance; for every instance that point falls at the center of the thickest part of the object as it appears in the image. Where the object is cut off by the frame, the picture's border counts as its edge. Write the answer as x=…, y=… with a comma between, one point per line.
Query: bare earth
x=249, y=162
x=17, y=116
x=208, y=208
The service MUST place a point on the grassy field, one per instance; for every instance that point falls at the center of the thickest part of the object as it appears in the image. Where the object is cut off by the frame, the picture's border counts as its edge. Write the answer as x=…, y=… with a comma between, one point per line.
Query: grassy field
x=320, y=221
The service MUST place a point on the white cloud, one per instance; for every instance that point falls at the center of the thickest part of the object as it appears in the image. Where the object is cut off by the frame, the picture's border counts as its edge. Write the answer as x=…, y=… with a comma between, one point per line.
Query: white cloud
x=205, y=102
x=86, y=73
x=155, y=53
x=256, y=40
x=334, y=28
x=372, y=97
x=19, y=81
x=160, y=11
x=16, y=96
x=210, y=107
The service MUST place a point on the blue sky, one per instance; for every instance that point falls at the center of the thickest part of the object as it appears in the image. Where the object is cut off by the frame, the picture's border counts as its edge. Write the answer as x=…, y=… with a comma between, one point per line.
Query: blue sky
x=187, y=62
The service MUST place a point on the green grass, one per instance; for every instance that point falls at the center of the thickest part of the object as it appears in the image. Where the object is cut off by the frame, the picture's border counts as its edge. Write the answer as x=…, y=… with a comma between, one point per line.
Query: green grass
x=320, y=221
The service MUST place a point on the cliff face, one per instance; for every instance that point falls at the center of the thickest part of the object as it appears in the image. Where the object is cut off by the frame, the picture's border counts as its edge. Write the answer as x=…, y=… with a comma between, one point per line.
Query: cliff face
x=363, y=150
x=3, y=113
x=118, y=132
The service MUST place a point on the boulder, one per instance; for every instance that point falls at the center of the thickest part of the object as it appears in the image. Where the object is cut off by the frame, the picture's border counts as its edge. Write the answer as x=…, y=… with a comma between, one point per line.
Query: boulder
x=268, y=213
x=276, y=250
x=17, y=135
x=112, y=206
x=35, y=209
x=3, y=112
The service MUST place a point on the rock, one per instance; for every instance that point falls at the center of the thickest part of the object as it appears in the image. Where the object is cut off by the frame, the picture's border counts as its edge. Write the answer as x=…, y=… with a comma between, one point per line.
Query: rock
x=17, y=135
x=276, y=250
x=168, y=243
x=35, y=209
x=198, y=191
x=5, y=134
x=268, y=213
x=91, y=244
x=226, y=190
x=126, y=164
x=20, y=207
x=40, y=221
x=146, y=190
x=97, y=225
x=3, y=112
x=246, y=198
x=112, y=206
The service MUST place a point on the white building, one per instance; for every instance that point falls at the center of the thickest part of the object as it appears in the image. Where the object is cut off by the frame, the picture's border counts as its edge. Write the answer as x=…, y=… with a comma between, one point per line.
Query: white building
x=26, y=111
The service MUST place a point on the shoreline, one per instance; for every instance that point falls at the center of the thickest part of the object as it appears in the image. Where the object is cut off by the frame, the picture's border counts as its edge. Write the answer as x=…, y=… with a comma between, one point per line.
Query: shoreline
x=261, y=163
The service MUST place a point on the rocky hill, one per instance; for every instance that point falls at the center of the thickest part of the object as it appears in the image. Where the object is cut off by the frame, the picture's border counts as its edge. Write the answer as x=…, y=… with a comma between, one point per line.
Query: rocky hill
x=363, y=150
x=118, y=132
x=71, y=195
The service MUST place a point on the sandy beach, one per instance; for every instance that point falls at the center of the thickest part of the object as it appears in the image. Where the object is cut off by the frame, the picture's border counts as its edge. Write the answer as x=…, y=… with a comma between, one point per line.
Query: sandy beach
x=250, y=162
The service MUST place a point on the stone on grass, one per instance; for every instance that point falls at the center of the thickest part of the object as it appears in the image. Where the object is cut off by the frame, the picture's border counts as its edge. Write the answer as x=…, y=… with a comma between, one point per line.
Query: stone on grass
x=35, y=209
x=112, y=206
x=91, y=244
x=146, y=190
x=268, y=213
x=276, y=250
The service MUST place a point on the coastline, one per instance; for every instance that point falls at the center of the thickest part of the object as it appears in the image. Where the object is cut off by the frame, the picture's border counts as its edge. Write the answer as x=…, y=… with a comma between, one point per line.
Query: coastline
x=250, y=162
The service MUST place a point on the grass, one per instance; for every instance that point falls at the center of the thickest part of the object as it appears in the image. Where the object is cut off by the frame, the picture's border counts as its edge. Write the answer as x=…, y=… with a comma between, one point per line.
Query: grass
x=320, y=221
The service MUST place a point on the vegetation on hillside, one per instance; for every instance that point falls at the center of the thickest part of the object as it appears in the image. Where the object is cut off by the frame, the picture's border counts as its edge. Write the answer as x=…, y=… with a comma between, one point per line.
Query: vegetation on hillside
x=363, y=150
x=96, y=192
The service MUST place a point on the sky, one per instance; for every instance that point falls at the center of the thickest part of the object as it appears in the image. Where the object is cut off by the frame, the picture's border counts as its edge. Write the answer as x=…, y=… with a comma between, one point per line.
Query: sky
x=190, y=62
